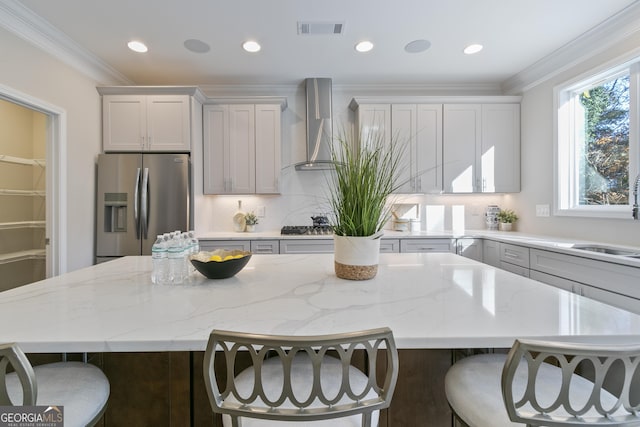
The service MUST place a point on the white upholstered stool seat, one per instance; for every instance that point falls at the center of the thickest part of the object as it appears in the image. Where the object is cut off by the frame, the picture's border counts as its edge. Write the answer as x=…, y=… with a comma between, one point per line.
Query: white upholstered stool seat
x=81, y=388
x=307, y=381
x=476, y=387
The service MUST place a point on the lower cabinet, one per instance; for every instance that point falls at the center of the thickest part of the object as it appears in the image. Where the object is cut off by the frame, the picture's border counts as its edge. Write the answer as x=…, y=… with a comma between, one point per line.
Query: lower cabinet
x=491, y=252
x=426, y=245
x=212, y=245
x=265, y=246
x=613, y=284
x=514, y=258
x=470, y=248
x=306, y=246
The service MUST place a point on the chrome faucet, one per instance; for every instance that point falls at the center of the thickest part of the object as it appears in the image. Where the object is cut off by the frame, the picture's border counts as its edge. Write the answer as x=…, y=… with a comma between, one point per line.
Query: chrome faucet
x=635, y=198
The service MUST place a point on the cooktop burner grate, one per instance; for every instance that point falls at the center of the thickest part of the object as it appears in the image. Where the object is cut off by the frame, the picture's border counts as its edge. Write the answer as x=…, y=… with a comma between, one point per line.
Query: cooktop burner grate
x=306, y=230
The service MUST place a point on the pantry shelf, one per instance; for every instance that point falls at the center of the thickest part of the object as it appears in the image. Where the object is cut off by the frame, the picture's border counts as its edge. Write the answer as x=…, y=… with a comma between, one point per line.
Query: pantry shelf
x=21, y=224
x=22, y=161
x=22, y=255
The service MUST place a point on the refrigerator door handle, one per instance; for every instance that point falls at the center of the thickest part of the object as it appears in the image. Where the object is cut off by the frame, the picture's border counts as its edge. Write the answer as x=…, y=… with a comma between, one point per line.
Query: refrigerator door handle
x=144, y=202
x=136, y=217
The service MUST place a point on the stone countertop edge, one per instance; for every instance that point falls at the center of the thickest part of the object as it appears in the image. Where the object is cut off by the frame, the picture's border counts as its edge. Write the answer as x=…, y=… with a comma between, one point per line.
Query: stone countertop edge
x=561, y=245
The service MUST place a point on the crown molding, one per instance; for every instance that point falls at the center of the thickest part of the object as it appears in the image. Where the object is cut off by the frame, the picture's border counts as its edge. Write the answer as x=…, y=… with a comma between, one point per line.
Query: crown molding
x=24, y=23
x=595, y=41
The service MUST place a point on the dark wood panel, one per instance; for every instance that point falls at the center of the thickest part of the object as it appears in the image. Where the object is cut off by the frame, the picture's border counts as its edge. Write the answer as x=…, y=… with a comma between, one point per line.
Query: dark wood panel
x=419, y=399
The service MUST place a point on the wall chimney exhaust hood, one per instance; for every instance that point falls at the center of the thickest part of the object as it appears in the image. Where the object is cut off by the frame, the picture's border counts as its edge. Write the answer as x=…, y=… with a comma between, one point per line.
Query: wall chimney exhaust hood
x=319, y=125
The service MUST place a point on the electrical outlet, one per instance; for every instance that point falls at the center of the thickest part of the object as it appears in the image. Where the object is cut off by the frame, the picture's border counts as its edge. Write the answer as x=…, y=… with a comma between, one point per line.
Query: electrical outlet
x=260, y=211
x=542, y=210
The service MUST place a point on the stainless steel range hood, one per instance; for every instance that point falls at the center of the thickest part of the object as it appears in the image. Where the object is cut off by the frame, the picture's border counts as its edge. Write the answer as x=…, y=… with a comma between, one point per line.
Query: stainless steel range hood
x=319, y=125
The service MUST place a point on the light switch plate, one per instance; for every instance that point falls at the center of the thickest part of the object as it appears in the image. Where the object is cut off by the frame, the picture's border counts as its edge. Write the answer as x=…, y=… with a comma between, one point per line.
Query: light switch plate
x=542, y=210
x=260, y=211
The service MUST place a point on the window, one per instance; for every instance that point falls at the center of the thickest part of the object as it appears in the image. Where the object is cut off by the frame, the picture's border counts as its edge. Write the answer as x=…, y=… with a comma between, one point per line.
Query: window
x=597, y=145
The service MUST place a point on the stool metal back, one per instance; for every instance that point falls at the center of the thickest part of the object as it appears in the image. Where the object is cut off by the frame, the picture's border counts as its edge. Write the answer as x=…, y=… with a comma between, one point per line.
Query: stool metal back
x=563, y=408
x=287, y=352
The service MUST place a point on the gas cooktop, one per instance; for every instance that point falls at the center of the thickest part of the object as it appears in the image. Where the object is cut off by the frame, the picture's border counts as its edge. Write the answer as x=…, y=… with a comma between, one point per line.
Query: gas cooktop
x=302, y=230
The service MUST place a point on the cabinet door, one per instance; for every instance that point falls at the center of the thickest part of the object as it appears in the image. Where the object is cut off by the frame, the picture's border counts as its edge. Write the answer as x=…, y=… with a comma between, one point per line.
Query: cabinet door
x=267, y=149
x=124, y=122
x=428, y=148
x=403, y=123
x=229, y=245
x=242, y=161
x=168, y=124
x=491, y=253
x=462, y=137
x=426, y=245
x=265, y=246
x=216, y=146
x=500, y=148
x=374, y=119
x=470, y=248
x=306, y=246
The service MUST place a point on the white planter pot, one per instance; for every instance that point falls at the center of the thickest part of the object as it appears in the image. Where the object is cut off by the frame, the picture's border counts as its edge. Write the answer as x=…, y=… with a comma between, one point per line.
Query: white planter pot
x=506, y=226
x=356, y=258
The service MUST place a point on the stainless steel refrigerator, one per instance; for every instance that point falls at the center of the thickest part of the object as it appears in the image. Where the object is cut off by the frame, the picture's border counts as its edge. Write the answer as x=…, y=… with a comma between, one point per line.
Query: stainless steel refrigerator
x=140, y=196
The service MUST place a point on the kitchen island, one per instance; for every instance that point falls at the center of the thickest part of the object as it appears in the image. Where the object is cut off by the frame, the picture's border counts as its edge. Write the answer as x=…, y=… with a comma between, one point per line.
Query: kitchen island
x=428, y=300
x=149, y=338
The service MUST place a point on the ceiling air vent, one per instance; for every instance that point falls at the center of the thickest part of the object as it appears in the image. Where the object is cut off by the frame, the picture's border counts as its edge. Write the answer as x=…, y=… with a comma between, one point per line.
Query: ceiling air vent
x=320, y=28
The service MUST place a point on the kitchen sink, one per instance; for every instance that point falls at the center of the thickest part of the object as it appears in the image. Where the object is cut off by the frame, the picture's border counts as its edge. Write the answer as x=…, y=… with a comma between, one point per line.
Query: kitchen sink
x=609, y=250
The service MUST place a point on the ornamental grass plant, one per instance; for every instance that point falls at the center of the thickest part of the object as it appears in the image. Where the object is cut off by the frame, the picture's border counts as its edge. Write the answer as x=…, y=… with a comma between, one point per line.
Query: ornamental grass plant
x=366, y=173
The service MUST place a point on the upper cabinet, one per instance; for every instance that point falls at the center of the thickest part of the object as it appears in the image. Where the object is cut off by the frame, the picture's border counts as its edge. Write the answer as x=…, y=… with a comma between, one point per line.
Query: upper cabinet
x=242, y=148
x=481, y=150
x=419, y=127
x=454, y=144
x=148, y=119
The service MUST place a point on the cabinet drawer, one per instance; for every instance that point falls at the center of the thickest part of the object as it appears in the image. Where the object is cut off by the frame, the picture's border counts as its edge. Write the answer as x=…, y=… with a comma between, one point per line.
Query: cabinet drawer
x=521, y=271
x=426, y=245
x=302, y=246
x=620, y=279
x=211, y=245
x=514, y=254
x=390, y=246
x=265, y=246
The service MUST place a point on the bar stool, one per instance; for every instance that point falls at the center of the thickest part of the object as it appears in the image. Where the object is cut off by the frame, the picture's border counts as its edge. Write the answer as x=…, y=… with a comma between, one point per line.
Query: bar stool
x=80, y=388
x=302, y=379
x=537, y=384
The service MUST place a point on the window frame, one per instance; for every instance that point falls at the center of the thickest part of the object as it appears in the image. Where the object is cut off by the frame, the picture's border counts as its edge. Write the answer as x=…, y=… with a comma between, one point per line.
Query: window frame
x=565, y=166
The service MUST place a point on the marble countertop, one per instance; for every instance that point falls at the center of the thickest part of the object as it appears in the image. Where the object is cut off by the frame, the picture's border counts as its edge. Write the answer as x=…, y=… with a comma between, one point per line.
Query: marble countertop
x=428, y=300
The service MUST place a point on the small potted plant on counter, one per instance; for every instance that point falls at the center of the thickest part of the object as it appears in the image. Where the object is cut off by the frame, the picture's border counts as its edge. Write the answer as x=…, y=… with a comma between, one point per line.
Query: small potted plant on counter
x=250, y=220
x=506, y=218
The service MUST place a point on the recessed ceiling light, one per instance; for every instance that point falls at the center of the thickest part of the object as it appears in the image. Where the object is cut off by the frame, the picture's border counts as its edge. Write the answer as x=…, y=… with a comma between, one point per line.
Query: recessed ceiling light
x=472, y=48
x=197, y=46
x=364, y=46
x=417, y=46
x=137, y=46
x=251, y=46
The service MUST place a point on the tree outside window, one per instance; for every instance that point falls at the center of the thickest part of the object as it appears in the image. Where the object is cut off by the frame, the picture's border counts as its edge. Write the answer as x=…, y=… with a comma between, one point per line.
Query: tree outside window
x=602, y=152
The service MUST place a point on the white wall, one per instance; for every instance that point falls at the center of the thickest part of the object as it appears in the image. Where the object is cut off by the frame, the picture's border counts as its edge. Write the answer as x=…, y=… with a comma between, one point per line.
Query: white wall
x=27, y=69
x=537, y=164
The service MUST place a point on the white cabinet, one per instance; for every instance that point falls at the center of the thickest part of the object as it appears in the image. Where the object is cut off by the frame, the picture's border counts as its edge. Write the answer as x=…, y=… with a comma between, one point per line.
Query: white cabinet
x=306, y=246
x=265, y=246
x=426, y=245
x=419, y=126
x=470, y=248
x=491, y=252
x=515, y=259
x=211, y=245
x=146, y=123
x=389, y=245
x=242, y=148
x=481, y=148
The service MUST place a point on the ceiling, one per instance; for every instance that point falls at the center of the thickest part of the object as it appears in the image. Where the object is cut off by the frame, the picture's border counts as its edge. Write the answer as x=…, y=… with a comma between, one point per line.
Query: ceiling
x=515, y=34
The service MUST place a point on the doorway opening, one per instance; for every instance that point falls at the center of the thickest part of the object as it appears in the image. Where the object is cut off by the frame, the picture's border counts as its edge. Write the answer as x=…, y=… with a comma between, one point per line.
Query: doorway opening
x=30, y=189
